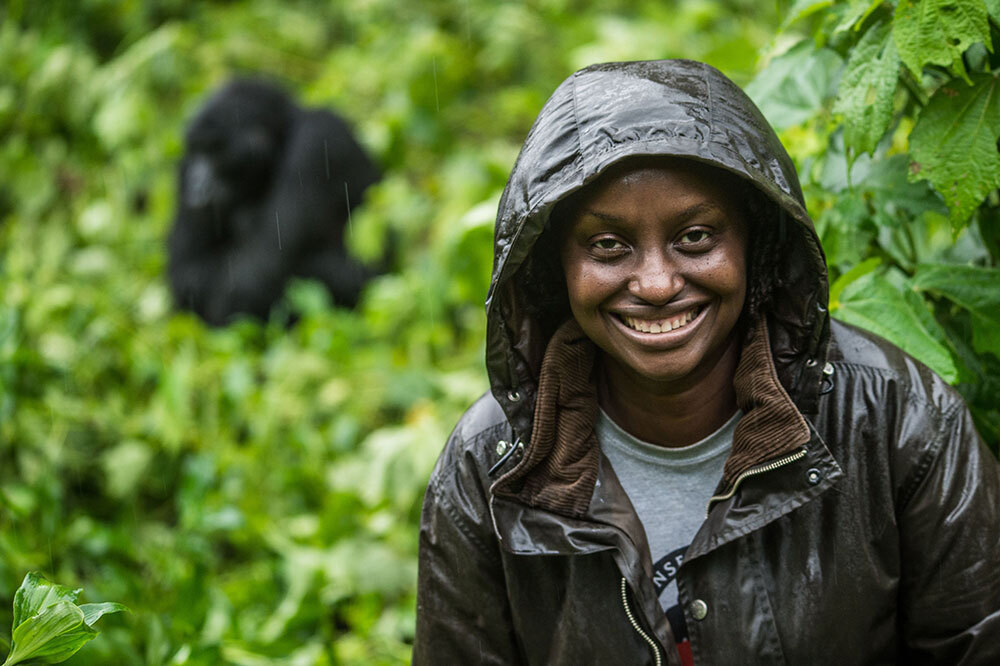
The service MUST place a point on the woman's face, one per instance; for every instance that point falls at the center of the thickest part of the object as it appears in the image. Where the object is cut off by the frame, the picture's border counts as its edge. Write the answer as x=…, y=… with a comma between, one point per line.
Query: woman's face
x=655, y=264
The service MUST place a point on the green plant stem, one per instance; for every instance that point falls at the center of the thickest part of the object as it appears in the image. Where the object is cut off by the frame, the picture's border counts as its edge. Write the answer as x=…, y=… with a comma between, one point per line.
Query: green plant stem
x=914, y=87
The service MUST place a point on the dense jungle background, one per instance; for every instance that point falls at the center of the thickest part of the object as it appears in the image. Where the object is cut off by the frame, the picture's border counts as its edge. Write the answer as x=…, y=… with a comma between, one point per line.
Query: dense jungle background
x=252, y=492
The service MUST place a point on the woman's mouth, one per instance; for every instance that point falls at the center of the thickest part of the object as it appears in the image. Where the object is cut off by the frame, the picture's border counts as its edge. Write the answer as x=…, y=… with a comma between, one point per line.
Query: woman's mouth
x=661, y=325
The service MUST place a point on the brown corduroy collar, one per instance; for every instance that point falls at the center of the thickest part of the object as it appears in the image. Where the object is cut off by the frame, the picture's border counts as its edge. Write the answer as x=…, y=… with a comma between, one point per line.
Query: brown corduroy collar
x=559, y=468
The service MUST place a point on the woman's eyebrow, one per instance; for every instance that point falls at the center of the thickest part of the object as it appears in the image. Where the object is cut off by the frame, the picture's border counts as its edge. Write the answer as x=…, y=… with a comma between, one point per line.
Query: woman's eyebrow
x=607, y=217
x=684, y=215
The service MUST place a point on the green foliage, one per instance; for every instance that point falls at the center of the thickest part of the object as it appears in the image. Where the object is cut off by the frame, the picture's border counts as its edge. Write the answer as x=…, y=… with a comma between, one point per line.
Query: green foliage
x=873, y=302
x=954, y=144
x=254, y=492
x=795, y=85
x=938, y=32
x=867, y=89
x=896, y=139
x=49, y=627
x=974, y=289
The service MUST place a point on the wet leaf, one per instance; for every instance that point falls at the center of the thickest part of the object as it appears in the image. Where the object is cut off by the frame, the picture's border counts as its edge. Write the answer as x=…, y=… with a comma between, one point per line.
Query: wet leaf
x=795, y=85
x=94, y=612
x=937, y=32
x=856, y=273
x=993, y=7
x=37, y=593
x=48, y=625
x=857, y=12
x=805, y=8
x=877, y=305
x=867, y=89
x=54, y=635
x=974, y=288
x=954, y=144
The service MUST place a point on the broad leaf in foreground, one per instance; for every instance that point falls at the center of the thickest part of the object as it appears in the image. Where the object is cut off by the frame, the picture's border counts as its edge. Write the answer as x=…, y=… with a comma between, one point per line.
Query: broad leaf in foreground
x=54, y=635
x=993, y=7
x=937, y=32
x=37, y=593
x=794, y=85
x=954, y=144
x=857, y=12
x=974, y=288
x=875, y=304
x=867, y=89
x=48, y=625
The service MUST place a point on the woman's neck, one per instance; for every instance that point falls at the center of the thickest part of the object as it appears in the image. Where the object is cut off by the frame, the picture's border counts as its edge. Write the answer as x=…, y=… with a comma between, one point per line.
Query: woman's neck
x=676, y=415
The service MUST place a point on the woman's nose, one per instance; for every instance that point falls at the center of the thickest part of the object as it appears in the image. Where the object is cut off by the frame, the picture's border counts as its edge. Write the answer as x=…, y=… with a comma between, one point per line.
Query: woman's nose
x=656, y=280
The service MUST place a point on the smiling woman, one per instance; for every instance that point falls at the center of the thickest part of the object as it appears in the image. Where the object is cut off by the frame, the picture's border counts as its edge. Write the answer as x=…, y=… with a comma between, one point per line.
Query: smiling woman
x=683, y=459
x=654, y=257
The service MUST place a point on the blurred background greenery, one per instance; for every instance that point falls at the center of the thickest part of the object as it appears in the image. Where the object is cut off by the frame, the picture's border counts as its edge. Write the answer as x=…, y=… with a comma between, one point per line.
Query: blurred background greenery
x=253, y=492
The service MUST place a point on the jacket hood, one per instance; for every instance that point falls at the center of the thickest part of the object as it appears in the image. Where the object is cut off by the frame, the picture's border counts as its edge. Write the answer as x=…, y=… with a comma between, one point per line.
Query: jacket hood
x=604, y=114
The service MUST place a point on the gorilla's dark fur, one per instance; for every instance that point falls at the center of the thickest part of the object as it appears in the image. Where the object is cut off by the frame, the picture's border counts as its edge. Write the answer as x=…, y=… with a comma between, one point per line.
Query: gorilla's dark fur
x=264, y=193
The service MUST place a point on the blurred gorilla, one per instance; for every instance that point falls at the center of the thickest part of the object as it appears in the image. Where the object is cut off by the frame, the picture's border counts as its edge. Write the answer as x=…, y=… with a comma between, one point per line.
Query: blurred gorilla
x=265, y=190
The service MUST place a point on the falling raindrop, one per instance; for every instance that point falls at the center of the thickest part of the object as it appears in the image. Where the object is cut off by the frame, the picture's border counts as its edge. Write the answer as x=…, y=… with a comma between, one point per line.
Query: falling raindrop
x=437, y=104
x=347, y=197
x=468, y=23
x=277, y=225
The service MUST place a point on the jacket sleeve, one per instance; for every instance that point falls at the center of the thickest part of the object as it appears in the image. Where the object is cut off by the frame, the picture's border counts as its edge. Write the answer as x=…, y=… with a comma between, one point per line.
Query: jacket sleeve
x=463, y=616
x=950, y=531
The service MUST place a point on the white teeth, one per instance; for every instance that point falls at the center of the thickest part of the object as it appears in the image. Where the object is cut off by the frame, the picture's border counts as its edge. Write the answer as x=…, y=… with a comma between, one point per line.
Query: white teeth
x=660, y=325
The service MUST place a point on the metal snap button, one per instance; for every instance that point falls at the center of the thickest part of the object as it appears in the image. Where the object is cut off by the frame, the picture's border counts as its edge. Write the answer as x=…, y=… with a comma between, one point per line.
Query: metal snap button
x=698, y=609
x=813, y=476
x=502, y=447
x=810, y=362
x=828, y=369
x=513, y=395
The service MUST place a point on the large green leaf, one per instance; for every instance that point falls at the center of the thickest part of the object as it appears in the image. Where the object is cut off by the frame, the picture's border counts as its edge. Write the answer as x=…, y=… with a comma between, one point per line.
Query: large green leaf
x=954, y=144
x=974, y=288
x=48, y=625
x=867, y=89
x=851, y=276
x=54, y=635
x=875, y=304
x=795, y=85
x=804, y=8
x=37, y=593
x=94, y=612
x=993, y=7
x=938, y=32
x=896, y=200
x=856, y=13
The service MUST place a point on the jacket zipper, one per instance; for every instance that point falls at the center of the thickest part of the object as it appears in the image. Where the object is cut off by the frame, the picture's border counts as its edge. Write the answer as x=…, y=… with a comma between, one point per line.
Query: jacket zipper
x=760, y=469
x=635, y=624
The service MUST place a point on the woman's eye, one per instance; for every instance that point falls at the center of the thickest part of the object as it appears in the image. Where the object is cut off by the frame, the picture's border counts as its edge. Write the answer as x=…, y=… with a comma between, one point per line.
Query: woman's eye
x=694, y=236
x=608, y=244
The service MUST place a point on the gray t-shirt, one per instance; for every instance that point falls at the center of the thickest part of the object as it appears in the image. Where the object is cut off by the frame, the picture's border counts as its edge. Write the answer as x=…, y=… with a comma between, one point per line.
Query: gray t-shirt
x=669, y=488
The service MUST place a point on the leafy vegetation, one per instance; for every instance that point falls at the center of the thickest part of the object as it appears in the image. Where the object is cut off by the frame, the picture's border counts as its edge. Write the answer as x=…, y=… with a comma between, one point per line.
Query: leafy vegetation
x=892, y=113
x=252, y=493
x=49, y=627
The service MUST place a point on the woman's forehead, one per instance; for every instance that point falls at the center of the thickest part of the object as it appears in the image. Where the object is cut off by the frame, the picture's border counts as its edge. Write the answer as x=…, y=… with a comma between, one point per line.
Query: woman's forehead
x=629, y=181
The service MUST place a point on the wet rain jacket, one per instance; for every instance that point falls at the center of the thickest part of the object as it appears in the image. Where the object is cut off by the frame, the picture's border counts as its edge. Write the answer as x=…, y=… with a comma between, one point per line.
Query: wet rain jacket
x=857, y=518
